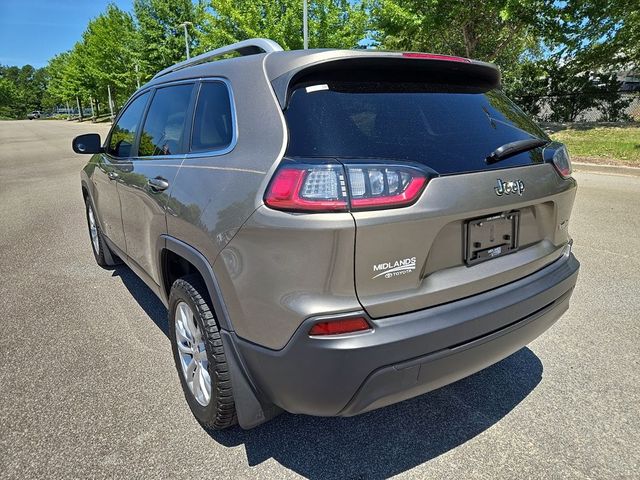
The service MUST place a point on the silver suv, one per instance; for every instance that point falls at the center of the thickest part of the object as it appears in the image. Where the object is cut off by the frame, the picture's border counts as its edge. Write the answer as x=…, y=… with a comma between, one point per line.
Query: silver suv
x=332, y=231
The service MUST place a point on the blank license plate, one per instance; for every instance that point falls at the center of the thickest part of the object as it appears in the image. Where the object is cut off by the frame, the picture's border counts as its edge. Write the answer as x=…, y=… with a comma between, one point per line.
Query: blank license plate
x=491, y=237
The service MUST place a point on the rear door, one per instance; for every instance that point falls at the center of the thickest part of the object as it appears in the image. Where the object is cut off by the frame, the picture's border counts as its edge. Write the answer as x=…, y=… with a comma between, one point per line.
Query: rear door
x=476, y=225
x=145, y=188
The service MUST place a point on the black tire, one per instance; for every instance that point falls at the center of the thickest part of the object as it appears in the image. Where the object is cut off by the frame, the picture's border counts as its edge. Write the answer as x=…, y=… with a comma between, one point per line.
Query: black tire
x=220, y=412
x=100, y=253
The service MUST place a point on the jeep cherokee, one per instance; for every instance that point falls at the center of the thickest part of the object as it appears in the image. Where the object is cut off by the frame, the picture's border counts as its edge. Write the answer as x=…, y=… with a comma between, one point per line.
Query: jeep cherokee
x=332, y=231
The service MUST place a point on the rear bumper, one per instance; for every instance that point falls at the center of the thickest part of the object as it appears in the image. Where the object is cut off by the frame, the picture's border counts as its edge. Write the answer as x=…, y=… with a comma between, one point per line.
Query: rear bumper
x=410, y=354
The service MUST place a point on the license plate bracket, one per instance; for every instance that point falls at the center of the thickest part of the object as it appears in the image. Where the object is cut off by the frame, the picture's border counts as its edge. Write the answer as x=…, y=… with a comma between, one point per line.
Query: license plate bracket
x=491, y=237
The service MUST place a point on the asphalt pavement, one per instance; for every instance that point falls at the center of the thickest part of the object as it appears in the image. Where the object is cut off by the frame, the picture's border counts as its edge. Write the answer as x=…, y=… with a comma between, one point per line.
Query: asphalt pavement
x=88, y=388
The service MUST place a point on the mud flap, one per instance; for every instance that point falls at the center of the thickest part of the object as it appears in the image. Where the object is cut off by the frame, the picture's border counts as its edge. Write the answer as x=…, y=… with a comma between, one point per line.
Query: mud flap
x=250, y=410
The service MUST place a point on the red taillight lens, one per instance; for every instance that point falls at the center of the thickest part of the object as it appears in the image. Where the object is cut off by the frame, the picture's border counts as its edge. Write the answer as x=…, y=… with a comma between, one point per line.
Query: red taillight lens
x=340, y=326
x=308, y=189
x=324, y=188
x=435, y=56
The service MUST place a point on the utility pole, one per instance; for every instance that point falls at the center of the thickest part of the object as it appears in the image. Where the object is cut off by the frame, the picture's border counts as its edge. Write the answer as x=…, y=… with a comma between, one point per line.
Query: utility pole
x=110, y=102
x=186, y=37
x=305, y=26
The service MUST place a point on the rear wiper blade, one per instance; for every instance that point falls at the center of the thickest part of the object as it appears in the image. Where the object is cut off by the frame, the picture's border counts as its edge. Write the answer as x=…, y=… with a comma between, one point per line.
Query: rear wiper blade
x=510, y=149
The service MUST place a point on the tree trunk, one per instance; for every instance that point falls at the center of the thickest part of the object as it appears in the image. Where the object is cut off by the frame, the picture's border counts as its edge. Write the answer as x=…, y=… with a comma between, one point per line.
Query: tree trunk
x=80, y=114
x=470, y=39
x=93, y=110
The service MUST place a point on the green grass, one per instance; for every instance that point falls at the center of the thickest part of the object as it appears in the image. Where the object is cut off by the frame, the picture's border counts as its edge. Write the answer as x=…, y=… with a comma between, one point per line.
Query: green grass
x=616, y=145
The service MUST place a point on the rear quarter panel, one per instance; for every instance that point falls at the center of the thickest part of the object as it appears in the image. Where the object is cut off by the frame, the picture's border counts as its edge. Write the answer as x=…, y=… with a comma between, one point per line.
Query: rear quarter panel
x=213, y=195
x=283, y=268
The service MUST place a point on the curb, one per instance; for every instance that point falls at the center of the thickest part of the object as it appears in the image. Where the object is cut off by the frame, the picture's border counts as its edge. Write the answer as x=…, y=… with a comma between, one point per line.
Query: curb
x=608, y=169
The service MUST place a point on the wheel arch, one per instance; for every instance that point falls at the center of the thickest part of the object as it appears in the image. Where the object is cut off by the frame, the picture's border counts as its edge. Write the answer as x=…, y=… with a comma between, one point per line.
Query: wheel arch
x=172, y=249
x=252, y=407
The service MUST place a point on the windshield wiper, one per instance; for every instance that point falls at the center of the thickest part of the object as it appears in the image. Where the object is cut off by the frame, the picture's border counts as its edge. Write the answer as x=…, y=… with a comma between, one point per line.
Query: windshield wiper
x=510, y=149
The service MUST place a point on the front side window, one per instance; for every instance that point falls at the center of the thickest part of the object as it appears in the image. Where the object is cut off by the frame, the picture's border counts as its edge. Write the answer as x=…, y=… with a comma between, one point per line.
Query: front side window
x=213, y=123
x=124, y=132
x=164, y=127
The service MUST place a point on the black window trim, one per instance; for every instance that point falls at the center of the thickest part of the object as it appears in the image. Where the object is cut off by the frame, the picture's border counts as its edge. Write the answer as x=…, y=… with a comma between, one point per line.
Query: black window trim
x=188, y=127
x=234, y=121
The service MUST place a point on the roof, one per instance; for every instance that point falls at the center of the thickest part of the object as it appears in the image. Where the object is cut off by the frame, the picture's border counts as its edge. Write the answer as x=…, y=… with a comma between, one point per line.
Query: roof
x=282, y=67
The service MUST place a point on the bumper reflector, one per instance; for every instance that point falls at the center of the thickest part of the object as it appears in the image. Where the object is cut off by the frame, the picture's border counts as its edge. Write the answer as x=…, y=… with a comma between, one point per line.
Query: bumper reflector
x=340, y=326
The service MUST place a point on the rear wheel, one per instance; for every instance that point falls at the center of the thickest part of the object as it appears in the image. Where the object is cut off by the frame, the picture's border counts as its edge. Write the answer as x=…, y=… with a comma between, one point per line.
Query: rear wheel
x=100, y=249
x=199, y=354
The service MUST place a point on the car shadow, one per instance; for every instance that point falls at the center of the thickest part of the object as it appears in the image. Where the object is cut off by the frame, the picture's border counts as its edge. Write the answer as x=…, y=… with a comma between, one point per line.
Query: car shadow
x=384, y=442
x=145, y=297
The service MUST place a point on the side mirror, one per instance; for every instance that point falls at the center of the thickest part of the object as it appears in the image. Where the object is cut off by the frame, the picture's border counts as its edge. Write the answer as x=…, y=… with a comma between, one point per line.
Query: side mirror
x=88, y=143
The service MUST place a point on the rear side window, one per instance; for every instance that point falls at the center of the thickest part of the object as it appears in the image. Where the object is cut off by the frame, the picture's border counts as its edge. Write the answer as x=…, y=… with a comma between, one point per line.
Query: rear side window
x=164, y=127
x=445, y=129
x=213, y=123
x=124, y=132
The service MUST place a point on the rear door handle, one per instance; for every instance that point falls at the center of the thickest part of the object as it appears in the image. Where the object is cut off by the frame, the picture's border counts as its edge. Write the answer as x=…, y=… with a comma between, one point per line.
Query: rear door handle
x=112, y=175
x=158, y=184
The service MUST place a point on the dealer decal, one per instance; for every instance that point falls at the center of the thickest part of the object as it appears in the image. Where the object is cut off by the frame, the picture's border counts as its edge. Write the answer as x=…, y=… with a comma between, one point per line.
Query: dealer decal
x=394, y=268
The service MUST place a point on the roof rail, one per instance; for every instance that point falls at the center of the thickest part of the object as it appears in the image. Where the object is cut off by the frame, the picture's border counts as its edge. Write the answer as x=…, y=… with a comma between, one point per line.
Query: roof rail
x=246, y=47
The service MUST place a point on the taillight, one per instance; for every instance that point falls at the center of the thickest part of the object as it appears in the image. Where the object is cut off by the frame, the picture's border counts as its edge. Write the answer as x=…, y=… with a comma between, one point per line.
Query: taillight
x=326, y=187
x=318, y=188
x=562, y=161
x=340, y=326
x=376, y=186
x=557, y=154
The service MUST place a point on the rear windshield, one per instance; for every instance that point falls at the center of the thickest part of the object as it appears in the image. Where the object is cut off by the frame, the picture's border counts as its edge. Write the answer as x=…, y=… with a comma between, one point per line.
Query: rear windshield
x=448, y=131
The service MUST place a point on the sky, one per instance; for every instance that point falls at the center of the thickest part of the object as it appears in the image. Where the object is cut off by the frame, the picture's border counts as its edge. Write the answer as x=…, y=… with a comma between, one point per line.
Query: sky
x=33, y=31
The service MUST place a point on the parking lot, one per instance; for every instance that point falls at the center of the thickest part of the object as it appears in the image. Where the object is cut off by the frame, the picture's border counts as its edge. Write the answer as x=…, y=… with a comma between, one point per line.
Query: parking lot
x=88, y=387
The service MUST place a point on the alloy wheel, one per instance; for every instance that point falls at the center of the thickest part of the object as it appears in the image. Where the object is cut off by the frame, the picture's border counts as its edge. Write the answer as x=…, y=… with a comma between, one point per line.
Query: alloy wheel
x=192, y=354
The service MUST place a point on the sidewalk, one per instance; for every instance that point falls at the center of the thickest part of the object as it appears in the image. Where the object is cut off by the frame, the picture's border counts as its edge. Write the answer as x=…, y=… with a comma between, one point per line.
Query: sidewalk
x=607, y=169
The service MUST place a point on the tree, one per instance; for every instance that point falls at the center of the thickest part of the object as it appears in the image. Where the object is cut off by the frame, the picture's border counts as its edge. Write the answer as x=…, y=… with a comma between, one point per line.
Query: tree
x=68, y=81
x=514, y=34
x=21, y=90
x=108, y=55
x=558, y=59
x=492, y=30
x=527, y=82
x=104, y=59
x=7, y=97
x=602, y=33
x=58, y=90
x=332, y=23
x=612, y=104
x=160, y=39
x=573, y=90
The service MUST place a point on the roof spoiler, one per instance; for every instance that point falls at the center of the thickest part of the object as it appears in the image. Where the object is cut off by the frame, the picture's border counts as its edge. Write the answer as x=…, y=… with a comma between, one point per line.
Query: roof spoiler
x=455, y=73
